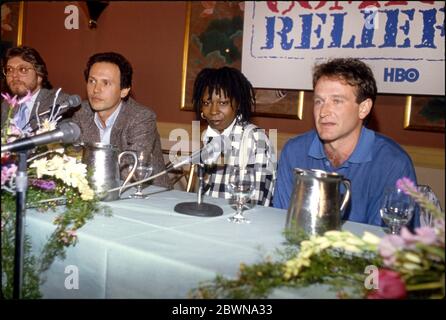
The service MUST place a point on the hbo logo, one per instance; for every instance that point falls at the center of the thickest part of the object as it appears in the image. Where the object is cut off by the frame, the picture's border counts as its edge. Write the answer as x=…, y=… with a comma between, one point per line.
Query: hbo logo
x=400, y=75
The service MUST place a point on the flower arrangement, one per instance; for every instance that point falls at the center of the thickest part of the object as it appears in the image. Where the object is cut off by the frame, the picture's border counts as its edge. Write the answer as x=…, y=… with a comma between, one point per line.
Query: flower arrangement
x=54, y=178
x=409, y=265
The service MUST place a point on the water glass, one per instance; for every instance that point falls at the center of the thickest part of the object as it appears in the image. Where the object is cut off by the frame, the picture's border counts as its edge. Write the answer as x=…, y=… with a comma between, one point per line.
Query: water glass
x=397, y=209
x=242, y=187
x=143, y=170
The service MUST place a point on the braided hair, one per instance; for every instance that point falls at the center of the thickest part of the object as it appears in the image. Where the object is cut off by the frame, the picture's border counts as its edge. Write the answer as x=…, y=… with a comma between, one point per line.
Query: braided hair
x=232, y=83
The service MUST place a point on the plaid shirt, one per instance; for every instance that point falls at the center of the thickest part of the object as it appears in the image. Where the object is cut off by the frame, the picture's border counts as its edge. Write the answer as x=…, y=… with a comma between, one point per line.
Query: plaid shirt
x=261, y=157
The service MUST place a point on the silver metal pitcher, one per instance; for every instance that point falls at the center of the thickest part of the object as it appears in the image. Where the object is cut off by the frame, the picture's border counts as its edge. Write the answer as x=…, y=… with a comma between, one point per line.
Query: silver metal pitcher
x=104, y=161
x=315, y=204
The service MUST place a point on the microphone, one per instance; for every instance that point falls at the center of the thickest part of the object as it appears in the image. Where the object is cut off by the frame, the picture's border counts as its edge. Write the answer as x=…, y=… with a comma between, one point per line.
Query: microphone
x=208, y=154
x=72, y=102
x=66, y=132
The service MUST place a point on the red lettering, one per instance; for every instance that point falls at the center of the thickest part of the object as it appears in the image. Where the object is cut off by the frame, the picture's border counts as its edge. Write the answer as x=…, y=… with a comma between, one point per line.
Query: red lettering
x=289, y=8
x=272, y=5
x=365, y=4
x=395, y=3
x=305, y=4
x=337, y=6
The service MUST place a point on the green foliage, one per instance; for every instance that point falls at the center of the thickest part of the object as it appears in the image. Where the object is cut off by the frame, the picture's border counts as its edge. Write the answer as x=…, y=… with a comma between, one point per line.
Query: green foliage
x=342, y=272
x=30, y=288
x=219, y=36
x=76, y=213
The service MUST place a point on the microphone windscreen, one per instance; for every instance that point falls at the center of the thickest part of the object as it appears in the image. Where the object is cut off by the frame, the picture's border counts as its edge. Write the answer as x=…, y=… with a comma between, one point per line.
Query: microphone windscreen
x=74, y=100
x=71, y=131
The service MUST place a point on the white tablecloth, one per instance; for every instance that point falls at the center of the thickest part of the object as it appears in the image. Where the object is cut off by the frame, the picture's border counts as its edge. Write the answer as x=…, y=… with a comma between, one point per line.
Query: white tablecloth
x=147, y=250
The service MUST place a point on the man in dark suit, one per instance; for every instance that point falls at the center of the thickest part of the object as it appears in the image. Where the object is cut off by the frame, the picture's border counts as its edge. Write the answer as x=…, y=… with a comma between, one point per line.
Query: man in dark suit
x=110, y=116
x=24, y=70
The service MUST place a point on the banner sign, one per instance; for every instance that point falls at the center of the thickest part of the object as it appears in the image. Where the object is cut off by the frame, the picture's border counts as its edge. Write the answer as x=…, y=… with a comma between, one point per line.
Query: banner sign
x=402, y=41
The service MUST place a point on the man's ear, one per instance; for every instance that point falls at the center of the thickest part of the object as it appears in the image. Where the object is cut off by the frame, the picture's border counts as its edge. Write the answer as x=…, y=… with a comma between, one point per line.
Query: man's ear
x=364, y=108
x=39, y=81
x=125, y=92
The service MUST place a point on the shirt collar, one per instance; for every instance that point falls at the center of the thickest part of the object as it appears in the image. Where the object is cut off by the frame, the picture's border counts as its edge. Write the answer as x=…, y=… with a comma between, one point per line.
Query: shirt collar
x=110, y=121
x=361, y=153
x=210, y=132
x=30, y=103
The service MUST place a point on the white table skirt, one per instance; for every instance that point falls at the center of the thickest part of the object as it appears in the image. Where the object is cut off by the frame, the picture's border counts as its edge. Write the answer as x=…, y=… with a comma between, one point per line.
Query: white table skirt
x=147, y=250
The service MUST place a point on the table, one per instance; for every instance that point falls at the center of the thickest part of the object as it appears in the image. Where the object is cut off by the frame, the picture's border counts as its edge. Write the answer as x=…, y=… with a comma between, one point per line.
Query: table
x=146, y=250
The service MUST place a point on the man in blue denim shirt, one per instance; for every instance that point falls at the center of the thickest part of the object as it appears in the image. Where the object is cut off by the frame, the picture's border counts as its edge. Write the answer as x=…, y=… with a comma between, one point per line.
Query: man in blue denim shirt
x=344, y=93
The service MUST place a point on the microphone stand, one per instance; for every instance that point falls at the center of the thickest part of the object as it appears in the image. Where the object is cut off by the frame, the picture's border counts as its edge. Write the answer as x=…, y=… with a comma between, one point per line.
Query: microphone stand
x=21, y=187
x=199, y=208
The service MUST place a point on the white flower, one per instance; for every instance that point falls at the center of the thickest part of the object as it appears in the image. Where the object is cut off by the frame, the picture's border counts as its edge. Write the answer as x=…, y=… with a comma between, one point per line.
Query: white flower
x=46, y=126
x=370, y=238
x=67, y=169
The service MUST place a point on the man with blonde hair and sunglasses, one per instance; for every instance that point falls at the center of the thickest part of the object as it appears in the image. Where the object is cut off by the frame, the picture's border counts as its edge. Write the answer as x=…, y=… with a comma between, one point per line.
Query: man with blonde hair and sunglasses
x=25, y=71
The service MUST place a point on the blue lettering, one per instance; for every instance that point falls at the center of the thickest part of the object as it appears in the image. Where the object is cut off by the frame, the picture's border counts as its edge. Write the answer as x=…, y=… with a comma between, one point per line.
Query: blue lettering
x=317, y=31
x=401, y=75
x=391, y=28
x=406, y=28
x=412, y=75
x=368, y=30
x=306, y=31
x=270, y=22
x=397, y=21
x=287, y=26
x=336, y=31
x=350, y=44
x=429, y=21
x=388, y=74
x=441, y=25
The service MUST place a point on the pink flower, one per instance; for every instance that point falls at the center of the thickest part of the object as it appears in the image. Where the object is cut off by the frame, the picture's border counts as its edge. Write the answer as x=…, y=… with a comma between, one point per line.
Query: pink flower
x=408, y=237
x=390, y=286
x=425, y=235
x=388, y=246
x=406, y=185
x=7, y=173
x=72, y=233
x=13, y=101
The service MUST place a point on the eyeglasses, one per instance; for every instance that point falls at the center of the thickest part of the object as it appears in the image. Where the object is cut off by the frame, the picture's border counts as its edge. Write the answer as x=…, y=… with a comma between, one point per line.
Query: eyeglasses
x=23, y=71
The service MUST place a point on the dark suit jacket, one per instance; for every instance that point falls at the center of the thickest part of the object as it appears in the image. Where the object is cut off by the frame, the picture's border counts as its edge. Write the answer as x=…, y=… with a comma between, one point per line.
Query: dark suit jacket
x=134, y=129
x=46, y=99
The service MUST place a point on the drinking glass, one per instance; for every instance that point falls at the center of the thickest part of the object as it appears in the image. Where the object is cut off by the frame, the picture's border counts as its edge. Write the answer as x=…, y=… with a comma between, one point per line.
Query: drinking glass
x=397, y=209
x=426, y=218
x=242, y=187
x=143, y=170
